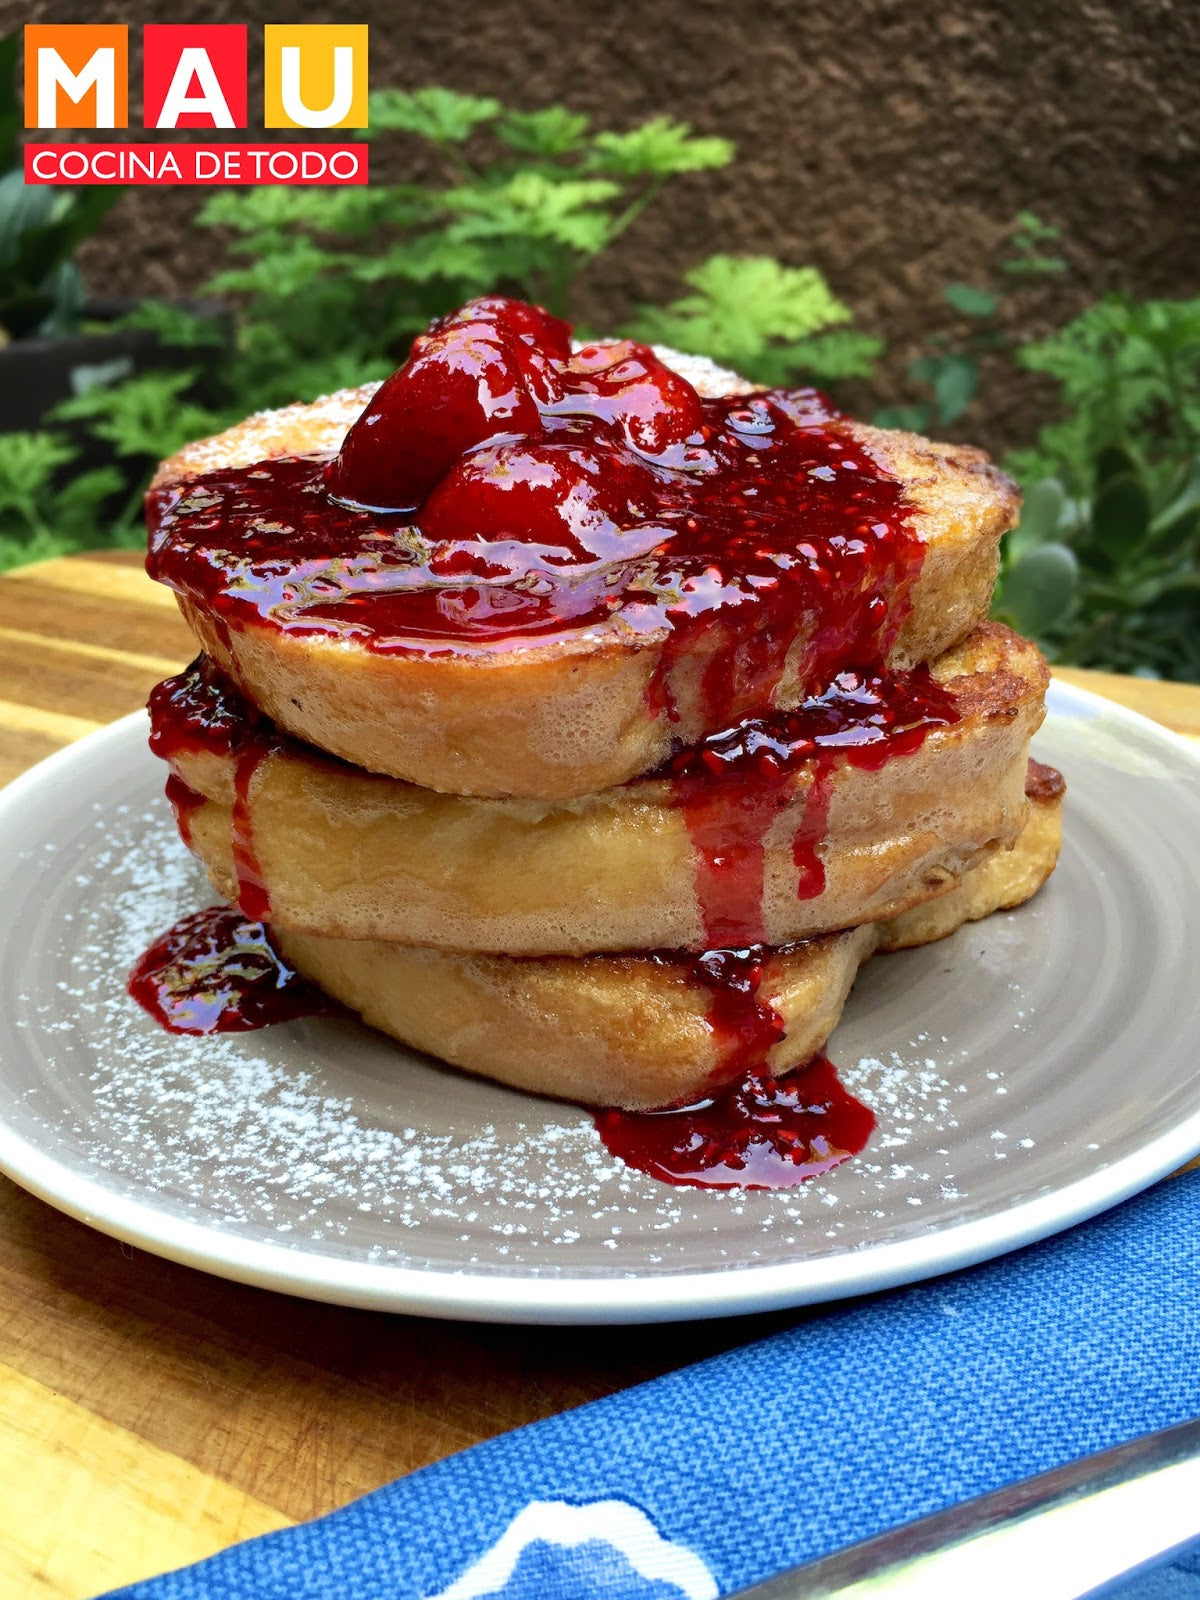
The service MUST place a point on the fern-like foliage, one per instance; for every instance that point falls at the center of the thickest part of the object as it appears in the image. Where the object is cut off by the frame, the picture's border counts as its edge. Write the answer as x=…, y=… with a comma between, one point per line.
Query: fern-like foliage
x=43, y=511
x=768, y=321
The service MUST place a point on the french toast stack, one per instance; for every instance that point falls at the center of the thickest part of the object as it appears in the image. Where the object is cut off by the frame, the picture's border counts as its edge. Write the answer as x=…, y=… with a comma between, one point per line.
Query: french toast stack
x=585, y=716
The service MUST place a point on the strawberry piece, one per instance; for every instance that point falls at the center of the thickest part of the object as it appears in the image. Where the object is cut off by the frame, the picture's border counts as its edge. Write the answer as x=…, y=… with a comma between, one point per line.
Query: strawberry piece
x=527, y=322
x=458, y=388
x=574, y=504
x=626, y=384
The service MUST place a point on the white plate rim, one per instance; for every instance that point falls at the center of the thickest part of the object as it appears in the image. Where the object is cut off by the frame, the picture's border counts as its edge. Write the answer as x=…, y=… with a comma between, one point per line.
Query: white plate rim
x=592, y=1299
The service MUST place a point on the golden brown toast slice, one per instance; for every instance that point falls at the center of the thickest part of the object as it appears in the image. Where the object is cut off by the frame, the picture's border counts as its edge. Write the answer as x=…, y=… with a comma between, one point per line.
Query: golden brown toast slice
x=351, y=855
x=630, y=1030
x=592, y=706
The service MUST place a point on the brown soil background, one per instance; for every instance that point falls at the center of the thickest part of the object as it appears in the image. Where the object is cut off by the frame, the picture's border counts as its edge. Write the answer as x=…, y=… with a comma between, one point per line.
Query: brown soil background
x=888, y=144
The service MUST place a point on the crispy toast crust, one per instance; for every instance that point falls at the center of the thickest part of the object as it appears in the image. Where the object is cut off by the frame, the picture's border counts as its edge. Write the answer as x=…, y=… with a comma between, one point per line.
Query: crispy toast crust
x=627, y=1030
x=348, y=854
x=568, y=717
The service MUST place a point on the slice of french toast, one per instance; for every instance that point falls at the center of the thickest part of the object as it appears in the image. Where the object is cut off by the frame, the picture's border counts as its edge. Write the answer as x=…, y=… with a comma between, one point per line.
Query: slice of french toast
x=552, y=620
x=635, y=1030
x=855, y=819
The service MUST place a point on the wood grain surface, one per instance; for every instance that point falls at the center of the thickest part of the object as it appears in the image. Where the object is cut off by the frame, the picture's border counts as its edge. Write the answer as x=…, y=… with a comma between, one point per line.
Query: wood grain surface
x=150, y=1414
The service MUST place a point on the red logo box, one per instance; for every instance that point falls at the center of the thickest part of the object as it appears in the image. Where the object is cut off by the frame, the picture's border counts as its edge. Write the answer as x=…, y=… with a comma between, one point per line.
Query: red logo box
x=194, y=76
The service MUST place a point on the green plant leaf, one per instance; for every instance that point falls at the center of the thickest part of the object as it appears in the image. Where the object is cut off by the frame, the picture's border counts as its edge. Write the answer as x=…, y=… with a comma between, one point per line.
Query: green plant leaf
x=1039, y=589
x=531, y=205
x=40, y=228
x=1121, y=517
x=1032, y=266
x=909, y=419
x=263, y=214
x=431, y=256
x=23, y=207
x=1113, y=462
x=1183, y=497
x=44, y=246
x=261, y=208
x=28, y=463
x=1129, y=374
x=953, y=379
x=1029, y=225
x=174, y=325
x=823, y=358
x=1041, y=513
x=1028, y=238
x=658, y=148
x=21, y=548
x=924, y=369
x=79, y=505
x=65, y=288
x=289, y=272
x=970, y=301
x=552, y=132
x=435, y=113
x=146, y=416
x=740, y=305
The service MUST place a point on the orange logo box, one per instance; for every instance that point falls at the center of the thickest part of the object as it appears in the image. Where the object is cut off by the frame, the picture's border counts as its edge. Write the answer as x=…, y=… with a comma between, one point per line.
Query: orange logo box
x=76, y=76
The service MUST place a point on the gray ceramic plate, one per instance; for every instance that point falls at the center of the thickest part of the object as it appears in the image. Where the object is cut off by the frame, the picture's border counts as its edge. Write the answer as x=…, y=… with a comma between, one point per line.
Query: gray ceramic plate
x=1026, y=1073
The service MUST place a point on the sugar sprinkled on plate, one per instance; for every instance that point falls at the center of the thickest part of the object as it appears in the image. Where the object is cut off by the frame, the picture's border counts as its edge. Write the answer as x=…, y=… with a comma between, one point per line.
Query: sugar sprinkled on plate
x=320, y=1134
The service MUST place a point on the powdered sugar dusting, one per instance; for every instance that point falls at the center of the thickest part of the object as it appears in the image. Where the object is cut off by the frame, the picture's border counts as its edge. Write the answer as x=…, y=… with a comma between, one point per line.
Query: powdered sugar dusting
x=322, y=1136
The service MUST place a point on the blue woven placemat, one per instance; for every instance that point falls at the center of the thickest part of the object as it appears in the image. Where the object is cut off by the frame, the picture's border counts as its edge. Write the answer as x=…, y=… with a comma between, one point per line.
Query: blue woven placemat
x=698, y=1483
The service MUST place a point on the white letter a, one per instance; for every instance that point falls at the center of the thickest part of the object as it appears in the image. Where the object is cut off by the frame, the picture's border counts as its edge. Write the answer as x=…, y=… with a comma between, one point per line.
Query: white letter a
x=194, y=63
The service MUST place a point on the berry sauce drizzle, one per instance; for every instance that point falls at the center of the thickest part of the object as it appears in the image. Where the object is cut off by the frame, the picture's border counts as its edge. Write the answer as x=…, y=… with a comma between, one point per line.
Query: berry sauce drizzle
x=218, y=972
x=756, y=1131
x=185, y=802
x=501, y=489
x=731, y=787
x=753, y=1131
x=733, y=784
x=760, y=1132
x=252, y=895
x=201, y=710
x=1043, y=783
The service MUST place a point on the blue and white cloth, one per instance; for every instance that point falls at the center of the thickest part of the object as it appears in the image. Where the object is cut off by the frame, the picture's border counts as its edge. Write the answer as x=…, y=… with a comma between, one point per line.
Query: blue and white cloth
x=717, y=1476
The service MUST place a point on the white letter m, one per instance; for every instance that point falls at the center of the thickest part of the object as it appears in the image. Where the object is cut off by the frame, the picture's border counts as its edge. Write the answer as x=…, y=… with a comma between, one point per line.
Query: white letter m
x=99, y=73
